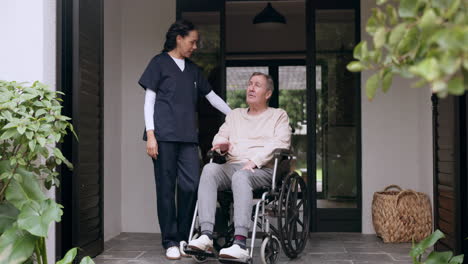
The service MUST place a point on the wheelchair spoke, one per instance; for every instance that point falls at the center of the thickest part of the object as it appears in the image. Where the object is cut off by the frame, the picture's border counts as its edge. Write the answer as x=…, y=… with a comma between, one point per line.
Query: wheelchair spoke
x=293, y=218
x=301, y=203
x=300, y=223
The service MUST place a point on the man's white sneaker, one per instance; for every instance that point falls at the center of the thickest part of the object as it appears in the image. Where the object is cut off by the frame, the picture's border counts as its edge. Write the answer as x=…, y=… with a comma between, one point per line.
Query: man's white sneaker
x=235, y=252
x=173, y=253
x=203, y=243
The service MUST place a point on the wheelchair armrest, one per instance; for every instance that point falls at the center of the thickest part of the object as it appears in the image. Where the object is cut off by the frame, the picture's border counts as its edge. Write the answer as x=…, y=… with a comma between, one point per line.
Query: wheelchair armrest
x=282, y=153
x=213, y=154
x=216, y=157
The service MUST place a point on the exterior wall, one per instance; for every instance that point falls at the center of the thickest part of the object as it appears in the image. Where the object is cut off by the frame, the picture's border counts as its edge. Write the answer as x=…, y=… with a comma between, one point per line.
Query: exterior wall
x=28, y=52
x=396, y=137
x=112, y=118
x=144, y=25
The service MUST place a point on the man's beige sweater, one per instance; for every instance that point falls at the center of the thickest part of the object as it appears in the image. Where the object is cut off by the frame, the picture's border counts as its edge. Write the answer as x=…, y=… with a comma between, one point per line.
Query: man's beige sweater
x=254, y=137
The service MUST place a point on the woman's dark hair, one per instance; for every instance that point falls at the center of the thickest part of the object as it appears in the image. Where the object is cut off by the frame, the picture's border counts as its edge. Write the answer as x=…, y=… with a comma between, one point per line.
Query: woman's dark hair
x=179, y=28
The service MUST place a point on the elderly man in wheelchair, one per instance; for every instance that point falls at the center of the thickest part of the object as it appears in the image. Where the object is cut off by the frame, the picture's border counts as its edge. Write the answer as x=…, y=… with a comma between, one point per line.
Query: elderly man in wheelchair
x=248, y=140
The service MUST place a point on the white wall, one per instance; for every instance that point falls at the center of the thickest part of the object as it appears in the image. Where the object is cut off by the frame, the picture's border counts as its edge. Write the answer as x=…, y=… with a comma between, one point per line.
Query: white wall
x=28, y=53
x=144, y=25
x=396, y=137
x=113, y=118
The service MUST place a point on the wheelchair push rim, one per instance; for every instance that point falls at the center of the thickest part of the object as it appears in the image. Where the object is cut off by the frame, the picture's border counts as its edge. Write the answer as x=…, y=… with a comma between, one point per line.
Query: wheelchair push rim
x=293, y=217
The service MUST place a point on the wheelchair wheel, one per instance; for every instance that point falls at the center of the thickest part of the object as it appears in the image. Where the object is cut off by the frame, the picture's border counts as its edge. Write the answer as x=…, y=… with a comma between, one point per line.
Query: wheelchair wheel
x=293, y=217
x=224, y=240
x=270, y=250
x=199, y=259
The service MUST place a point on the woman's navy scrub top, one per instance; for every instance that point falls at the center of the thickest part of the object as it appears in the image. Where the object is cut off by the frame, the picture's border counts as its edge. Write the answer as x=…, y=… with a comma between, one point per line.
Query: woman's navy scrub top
x=177, y=94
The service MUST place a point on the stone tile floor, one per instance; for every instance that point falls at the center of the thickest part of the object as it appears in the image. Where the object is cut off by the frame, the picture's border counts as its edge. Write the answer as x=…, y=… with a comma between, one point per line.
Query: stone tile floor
x=322, y=248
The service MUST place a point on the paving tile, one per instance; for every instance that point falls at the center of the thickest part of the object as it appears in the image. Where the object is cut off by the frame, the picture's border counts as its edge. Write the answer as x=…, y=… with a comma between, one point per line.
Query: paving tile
x=375, y=249
x=350, y=256
x=110, y=254
x=322, y=248
x=381, y=262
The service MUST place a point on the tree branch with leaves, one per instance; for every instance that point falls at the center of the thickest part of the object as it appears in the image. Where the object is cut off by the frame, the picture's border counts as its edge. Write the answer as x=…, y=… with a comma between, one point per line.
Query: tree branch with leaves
x=423, y=39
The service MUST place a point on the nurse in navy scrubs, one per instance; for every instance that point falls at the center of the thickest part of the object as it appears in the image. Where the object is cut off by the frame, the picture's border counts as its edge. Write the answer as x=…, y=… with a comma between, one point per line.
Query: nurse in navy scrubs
x=173, y=85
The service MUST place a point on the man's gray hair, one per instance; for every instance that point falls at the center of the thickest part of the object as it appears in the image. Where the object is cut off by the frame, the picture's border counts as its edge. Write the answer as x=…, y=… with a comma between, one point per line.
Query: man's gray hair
x=268, y=78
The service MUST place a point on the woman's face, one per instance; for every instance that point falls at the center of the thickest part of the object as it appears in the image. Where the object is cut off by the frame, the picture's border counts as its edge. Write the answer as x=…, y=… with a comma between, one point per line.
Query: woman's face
x=188, y=44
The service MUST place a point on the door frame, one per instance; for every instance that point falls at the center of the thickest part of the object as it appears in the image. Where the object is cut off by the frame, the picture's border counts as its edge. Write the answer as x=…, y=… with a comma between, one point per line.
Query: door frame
x=68, y=73
x=326, y=215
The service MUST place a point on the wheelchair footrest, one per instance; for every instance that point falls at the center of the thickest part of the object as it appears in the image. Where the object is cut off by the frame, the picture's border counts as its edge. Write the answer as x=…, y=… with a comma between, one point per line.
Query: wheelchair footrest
x=198, y=253
x=233, y=261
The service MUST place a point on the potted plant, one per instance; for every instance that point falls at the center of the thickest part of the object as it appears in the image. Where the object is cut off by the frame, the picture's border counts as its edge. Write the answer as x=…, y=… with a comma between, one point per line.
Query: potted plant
x=31, y=126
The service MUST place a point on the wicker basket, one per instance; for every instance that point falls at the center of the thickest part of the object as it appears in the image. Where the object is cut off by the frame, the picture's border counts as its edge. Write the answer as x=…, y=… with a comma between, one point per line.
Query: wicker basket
x=401, y=216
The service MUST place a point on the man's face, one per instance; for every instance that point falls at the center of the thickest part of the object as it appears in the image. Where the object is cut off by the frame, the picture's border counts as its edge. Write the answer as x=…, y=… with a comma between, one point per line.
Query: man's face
x=257, y=92
x=188, y=44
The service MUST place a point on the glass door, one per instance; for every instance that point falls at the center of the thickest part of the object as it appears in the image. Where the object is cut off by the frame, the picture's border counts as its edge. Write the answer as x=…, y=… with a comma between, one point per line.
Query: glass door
x=336, y=110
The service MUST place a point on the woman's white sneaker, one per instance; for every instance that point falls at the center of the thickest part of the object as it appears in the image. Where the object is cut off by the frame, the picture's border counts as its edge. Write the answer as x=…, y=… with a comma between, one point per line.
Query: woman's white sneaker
x=173, y=253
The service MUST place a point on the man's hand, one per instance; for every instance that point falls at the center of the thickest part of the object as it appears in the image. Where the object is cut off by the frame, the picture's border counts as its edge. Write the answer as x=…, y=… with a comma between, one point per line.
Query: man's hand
x=249, y=165
x=152, y=145
x=223, y=147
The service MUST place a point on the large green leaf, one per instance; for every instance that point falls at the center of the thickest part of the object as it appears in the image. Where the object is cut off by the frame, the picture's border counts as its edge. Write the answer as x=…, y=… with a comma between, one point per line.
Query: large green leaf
x=372, y=25
x=8, y=215
x=59, y=155
x=36, y=218
x=8, y=134
x=429, y=19
x=372, y=85
x=360, y=51
x=355, y=66
x=438, y=257
x=452, y=8
x=428, y=69
x=387, y=80
x=380, y=37
x=439, y=87
x=4, y=166
x=409, y=41
x=450, y=63
x=451, y=39
x=69, y=257
x=24, y=189
x=392, y=14
x=16, y=246
x=457, y=260
x=86, y=260
x=408, y=8
x=429, y=241
x=456, y=87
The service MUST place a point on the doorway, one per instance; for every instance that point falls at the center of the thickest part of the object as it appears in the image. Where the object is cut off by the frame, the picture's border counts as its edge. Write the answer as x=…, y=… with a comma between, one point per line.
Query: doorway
x=306, y=58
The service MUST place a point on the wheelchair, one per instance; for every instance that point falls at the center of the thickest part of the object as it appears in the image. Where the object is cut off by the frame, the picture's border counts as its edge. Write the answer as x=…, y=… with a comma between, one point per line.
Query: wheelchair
x=285, y=203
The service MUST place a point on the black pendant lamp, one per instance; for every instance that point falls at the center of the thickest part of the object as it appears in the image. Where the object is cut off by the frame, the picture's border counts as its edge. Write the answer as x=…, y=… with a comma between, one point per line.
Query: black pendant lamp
x=269, y=15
